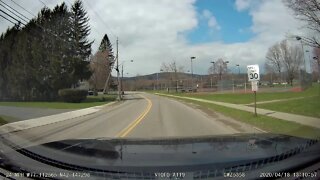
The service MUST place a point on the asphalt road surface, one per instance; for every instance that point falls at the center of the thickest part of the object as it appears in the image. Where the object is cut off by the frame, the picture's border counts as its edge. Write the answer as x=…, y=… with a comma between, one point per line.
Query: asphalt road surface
x=141, y=115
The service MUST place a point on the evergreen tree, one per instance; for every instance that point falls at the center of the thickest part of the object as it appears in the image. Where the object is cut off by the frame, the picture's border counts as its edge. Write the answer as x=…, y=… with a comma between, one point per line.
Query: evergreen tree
x=105, y=44
x=80, y=30
x=106, y=48
x=7, y=45
x=49, y=53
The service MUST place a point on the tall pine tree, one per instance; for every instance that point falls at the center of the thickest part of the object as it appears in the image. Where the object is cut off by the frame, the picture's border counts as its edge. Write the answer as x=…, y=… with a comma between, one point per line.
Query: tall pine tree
x=106, y=48
x=80, y=30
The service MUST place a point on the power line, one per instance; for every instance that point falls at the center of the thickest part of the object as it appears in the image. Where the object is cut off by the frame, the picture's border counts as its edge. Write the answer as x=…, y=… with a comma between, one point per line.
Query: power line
x=99, y=17
x=15, y=10
x=44, y=29
x=14, y=13
x=91, y=27
x=23, y=8
x=43, y=3
x=11, y=17
x=7, y=19
x=41, y=27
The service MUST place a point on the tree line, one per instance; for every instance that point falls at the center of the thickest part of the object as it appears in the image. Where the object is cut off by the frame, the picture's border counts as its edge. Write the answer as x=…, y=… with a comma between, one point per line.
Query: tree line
x=285, y=60
x=49, y=53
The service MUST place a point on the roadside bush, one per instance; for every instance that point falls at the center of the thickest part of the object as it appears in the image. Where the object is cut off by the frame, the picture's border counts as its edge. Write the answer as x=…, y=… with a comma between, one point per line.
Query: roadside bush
x=73, y=95
x=2, y=121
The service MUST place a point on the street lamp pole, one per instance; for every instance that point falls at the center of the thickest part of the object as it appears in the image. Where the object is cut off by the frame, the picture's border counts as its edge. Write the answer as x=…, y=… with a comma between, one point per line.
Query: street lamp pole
x=238, y=65
x=157, y=81
x=304, y=60
x=316, y=58
x=121, y=83
x=161, y=70
x=191, y=58
x=318, y=61
x=310, y=61
x=212, y=73
x=238, y=69
x=224, y=63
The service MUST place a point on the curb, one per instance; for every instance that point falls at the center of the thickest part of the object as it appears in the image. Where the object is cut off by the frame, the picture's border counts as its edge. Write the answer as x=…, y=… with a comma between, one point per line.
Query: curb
x=46, y=120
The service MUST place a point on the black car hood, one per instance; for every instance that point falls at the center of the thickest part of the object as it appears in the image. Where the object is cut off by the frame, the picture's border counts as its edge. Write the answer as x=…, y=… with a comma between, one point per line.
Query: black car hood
x=176, y=152
x=172, y=154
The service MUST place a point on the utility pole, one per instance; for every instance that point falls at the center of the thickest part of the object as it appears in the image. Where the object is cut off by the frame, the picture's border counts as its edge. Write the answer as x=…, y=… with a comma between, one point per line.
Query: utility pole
x=122, y=78
x=191, y=58
x=118, y=72
x=157, y=81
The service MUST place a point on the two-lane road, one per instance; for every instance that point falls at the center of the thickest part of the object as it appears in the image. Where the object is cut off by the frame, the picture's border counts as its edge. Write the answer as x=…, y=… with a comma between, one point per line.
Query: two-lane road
x=141, y=115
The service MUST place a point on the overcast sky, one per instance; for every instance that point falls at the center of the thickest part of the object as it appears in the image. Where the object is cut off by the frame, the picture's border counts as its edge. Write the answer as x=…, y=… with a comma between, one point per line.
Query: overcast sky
x=155, y=31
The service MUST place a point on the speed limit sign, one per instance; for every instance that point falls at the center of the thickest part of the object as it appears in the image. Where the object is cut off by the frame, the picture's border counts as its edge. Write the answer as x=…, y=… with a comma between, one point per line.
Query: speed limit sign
x=254, y=77
x=253, y=72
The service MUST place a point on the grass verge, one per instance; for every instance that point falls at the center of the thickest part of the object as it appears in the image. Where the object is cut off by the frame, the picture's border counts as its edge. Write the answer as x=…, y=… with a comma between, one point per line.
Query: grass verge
x=7, y=119
x=2, y=121
x=307, y=106
x=89, y=102
x=269, y=124
x=240, y=98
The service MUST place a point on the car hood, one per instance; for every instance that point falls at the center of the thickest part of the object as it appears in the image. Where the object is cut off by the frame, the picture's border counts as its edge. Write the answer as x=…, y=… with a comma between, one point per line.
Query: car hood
x=173, y=153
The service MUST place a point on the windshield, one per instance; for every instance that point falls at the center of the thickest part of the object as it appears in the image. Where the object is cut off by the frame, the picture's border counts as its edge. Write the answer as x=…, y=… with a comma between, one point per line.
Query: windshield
x=186, y=89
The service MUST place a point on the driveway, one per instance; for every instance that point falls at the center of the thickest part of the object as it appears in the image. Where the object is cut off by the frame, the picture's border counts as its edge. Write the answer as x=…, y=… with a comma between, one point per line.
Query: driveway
x=23, y=113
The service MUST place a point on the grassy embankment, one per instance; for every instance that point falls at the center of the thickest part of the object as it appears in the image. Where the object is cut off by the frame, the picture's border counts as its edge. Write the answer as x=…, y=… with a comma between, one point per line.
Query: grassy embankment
x=89, y=102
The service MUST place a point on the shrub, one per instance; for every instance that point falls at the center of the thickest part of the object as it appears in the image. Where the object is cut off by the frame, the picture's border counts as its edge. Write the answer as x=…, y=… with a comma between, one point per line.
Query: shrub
x=73, y=95
x=2, y=121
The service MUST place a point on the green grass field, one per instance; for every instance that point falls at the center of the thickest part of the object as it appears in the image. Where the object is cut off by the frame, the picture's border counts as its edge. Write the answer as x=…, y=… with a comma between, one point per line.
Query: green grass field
x=240, y=98
x=89, y=102
x=266, y=123
x=309, y=106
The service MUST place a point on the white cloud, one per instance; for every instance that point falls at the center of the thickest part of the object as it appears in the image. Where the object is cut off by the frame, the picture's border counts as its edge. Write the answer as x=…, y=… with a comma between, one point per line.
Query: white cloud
x=151, y=32
x=243, y=4
x=212, y=21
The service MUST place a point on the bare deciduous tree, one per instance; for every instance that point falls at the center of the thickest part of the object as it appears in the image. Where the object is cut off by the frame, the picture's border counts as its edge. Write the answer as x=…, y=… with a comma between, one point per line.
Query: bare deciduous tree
x=309, y=12
x=100, y=67
x=274, y=59
x=269, y=72
x=174, y=72
x=292, y=60
x=219, y=68
x=287, y=57
x=172, y=67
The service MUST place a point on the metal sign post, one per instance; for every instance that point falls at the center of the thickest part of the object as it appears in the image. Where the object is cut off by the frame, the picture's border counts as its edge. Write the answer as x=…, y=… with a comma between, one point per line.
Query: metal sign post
x=254, y=77
x=255, y=103
x=254, y=86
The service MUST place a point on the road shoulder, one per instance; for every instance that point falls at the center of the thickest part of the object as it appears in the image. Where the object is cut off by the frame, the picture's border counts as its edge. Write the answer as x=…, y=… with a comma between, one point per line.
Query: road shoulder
x=42, y=121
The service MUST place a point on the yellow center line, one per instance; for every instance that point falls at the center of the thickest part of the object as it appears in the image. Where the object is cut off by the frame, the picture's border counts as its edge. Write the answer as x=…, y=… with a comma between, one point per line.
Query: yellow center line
x=132, y=125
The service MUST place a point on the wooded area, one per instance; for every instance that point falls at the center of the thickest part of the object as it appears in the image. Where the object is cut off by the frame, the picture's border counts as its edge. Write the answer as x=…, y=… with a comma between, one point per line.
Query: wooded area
x=49, y=53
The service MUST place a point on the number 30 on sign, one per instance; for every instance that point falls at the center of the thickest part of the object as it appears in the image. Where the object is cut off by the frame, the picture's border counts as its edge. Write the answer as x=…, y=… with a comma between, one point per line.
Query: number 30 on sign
x=253, y=72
